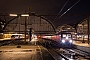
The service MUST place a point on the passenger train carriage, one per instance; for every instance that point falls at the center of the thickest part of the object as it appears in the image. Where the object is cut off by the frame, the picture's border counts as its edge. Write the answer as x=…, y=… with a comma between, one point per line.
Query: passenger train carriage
x=64, y=38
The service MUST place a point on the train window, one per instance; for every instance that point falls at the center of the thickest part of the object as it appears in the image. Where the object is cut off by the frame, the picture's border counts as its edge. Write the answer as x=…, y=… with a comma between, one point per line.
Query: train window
x=64, y=35
x=69, y=35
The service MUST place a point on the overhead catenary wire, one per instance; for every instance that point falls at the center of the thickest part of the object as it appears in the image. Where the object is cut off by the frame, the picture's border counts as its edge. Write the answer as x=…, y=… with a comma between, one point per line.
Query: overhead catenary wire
x=61, y=9
x=69, y=9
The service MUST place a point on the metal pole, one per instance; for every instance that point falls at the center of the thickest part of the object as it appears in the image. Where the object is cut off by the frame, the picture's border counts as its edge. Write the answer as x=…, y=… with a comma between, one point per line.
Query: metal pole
x=19, y=25
x=88, y=28
x=18, y=46
x=30, y=34
x=83, y=34
x=25, y=28
x=76, y=33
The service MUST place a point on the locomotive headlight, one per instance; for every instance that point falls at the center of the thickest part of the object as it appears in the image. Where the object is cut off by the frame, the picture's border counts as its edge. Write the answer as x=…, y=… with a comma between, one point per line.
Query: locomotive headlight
x=66, y=37
x=63, y=41
x=70, y=41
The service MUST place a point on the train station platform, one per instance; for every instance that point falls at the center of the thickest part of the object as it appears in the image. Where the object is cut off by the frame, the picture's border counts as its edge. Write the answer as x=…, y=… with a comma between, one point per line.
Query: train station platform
x=82, y=46
x=31, y=51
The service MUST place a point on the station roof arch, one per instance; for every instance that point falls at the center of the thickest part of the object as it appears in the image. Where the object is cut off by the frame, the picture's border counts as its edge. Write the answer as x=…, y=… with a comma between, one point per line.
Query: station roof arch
x=39, y=24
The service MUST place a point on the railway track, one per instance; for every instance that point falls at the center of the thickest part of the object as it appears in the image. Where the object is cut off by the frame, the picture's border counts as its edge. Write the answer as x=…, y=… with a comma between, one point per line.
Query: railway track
x=62, y=53
x=74, y=54
x=3, y=43
x=54, y=52
x=67, y=54
x=10, y=41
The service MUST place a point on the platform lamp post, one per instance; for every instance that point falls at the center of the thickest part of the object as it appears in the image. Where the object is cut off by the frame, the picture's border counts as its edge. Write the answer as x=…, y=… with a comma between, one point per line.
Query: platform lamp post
x=22, y=15
x=18, y=46
x=25, y=15
x=14, y=15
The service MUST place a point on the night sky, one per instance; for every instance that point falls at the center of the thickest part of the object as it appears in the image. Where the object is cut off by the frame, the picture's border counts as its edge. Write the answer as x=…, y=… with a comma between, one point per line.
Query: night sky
x=78, y=12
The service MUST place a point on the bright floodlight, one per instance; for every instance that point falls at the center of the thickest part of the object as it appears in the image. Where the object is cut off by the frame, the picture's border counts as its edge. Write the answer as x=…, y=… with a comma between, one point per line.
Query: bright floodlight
x=24, y=14
x=13, y=15
x=70, y=41
x=63, y=41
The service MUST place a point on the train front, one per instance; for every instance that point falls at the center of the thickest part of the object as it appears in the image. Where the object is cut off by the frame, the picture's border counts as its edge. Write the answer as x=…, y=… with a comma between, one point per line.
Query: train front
x=66, y=40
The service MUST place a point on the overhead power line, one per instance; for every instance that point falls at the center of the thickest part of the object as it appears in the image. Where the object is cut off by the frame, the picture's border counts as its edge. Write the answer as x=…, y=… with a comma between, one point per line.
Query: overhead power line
x=62, y=9
x=69, y=9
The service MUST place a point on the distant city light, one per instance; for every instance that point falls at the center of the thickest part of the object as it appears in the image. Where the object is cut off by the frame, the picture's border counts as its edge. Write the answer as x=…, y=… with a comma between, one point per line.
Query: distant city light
x=75, y=33
x=16, y=34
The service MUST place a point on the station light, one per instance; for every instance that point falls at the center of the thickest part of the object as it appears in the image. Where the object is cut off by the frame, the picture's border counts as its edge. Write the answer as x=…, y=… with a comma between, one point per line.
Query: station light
x=24, y=14
x=75, y=33
x=18, y=14
x=1, y=33
x=13, y=15
x=79, y=24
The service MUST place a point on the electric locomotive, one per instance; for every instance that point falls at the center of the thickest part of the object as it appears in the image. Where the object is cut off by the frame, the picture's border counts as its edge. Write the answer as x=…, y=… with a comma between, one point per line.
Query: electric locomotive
x=63, y=38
